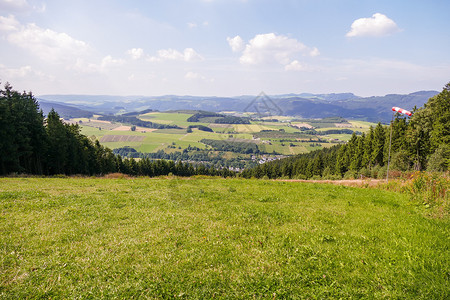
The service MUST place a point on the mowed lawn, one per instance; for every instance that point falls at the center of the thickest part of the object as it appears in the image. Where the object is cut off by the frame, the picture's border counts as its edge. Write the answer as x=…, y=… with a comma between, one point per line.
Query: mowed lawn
x=202, y=238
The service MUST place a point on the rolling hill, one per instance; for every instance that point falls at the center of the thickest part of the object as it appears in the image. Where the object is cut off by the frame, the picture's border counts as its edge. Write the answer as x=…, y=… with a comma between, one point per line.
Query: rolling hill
x=347, y=105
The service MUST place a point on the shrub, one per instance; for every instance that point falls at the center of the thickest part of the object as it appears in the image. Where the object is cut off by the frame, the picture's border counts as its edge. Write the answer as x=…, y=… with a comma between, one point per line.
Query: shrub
x=374, y=172
x=364, y=172
x=430, y=188
x=439, y=160
x=332, y=177
x=350, y=174
x=382, y=171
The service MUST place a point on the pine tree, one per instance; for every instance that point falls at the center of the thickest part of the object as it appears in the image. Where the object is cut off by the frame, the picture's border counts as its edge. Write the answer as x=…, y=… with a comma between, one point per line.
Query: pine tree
x=378, y=144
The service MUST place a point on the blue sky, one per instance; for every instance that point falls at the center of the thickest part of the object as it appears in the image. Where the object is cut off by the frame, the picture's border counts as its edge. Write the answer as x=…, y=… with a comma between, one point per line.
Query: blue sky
x=224, y=47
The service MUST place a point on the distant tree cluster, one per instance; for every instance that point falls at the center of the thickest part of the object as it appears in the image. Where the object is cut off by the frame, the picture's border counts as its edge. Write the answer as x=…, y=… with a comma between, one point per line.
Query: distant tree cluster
x=191, y=154
x=137, y=113
x=137, y=122
x=231, y=146
x=218, y=118
x=423, y=142
x=199, y=127
x=232, y=120
x=202, y=114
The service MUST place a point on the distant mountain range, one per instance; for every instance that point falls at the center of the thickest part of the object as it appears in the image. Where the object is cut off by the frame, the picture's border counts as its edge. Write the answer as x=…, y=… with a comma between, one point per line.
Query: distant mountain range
x=305, y=105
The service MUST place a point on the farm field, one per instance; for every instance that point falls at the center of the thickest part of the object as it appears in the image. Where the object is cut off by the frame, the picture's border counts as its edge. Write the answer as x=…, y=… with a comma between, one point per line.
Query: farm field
x=198, y=238
x=279, y=137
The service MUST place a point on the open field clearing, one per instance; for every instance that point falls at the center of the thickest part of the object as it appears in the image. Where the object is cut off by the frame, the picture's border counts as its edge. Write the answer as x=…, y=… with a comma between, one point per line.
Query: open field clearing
x=169, y=118
x=340, y=137
x=200, y=238
x=361, y=125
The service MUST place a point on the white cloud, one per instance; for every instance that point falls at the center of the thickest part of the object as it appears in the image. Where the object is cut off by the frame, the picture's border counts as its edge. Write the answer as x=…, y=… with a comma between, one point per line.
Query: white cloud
x=46, y=44
x=25, y=72
x=194, y=76
x=107, y=62
x=272, y=48
x=378, y=25
x=9, y=23
x=191, y=55
x=314, y=52
x=188, y=55
x=236, y=43
x=15, y=72
x=295, y=66
x=194, y=25
x=136, y=53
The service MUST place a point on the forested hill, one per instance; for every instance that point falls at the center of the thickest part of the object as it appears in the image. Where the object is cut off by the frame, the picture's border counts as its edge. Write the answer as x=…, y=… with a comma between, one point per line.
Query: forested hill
x=65, y=111
x=418, y=143
x=374, y=109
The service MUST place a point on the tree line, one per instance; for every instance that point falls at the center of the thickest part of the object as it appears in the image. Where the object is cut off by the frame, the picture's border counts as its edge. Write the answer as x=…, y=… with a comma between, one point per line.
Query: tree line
x=192, y=155
x=219, y=118
x=421, y=142
x=33, y=144
x=137, y=122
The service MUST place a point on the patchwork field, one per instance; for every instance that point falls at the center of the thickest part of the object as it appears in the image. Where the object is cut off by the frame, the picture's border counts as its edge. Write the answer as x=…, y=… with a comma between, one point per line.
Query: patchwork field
x=216, y=238
x=275, y=138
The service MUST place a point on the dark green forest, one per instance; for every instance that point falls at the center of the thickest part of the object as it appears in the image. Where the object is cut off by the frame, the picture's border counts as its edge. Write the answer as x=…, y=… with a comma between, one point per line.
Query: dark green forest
x=421, y=142
x=33, y=144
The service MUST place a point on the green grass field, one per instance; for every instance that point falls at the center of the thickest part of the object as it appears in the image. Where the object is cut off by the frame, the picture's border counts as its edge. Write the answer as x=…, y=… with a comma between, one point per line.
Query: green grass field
x=200, y=238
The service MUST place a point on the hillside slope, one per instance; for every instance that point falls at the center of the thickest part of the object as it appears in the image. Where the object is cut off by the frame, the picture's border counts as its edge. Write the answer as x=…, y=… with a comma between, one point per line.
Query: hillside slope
x=347, y=105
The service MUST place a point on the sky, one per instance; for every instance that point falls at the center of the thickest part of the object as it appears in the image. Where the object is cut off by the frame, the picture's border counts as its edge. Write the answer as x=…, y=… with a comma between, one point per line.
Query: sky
x=224, y=47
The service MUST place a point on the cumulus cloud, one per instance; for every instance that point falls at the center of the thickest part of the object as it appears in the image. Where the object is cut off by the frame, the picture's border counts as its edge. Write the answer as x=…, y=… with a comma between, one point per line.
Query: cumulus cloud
x=46, y=44
x=188, y=55
x=193, y=76
x=272, y=48
x=236, y=43
x=9, y=23
x=106, y=63
x=295, y=66
x=314, y=52
x=109, y=61
x=136, y=53
x=376, y=26
x=23, y=72
x=16, y=72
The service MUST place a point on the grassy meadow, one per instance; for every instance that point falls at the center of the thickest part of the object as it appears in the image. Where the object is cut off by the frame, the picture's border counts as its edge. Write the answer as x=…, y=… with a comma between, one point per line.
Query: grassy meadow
x=201, y=238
